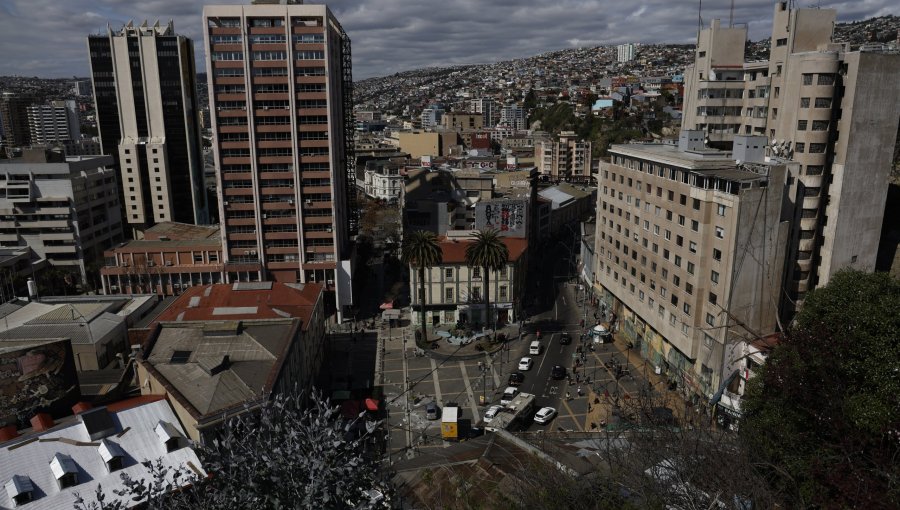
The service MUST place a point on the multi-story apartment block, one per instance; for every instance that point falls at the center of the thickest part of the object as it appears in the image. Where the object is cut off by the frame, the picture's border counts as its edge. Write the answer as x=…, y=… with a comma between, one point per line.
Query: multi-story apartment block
x=487, y=107
x=513, y=116
x=831, y=110
x=625, y=52
x=458, y=121
x=14, y=121
x=689, y=252
x=146, y=104
x=171, y=258
x=567, y=158
x=56, y=122
x=454, y=292
x=431, y=117
x=65, y=209
x=280, y=85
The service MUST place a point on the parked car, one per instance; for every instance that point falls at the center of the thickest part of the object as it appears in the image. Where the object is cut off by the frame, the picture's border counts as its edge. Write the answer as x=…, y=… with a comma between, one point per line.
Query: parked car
x=508, y=394
x=535, y=348
x=545, y=415
x=558, y=372
x=516, y=378
x=525, y=364
x=491, y=412
x=432, y=411
x=564, y=338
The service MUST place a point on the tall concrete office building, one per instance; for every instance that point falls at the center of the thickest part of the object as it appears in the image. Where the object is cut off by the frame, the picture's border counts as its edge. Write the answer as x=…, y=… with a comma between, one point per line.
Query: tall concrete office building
x=146, y=104
x=625, y=52
x=280, y=89
x=832, y=110
x=55, y=122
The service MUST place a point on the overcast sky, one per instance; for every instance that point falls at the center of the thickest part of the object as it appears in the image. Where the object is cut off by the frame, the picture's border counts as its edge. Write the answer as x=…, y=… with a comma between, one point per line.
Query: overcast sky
x=47, y=37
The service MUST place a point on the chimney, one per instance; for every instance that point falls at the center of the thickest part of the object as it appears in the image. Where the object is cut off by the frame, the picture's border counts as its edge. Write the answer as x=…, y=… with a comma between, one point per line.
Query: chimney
x=8, y=432
x=41, y=422
x=81, y=407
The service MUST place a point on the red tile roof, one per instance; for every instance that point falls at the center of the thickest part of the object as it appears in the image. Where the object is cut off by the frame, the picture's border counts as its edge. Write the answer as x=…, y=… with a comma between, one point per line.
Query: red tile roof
x=454, y=251
x=130, y=403
x=221, y=302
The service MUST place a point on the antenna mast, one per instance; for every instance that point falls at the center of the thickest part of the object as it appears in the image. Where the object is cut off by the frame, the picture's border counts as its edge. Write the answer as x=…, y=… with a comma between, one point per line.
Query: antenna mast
x=731, y=16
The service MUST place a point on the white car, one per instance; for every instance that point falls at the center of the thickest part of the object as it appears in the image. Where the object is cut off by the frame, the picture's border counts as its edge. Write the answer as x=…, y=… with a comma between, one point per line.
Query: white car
x=545, y=415
x=525, y=364
x=491, y=413
x=508, y=394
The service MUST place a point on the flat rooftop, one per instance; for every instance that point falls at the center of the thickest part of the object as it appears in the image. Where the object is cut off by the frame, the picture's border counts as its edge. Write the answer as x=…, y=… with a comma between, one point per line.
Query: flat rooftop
x=710, y=162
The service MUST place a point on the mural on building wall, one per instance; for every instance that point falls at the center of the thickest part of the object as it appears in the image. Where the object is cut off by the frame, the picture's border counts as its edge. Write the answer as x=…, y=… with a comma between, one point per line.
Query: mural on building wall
x=506, y=216
x=39, y=377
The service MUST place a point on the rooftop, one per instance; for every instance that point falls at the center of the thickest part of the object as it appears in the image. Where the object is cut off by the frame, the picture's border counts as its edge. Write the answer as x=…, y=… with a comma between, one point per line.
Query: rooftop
x=454, y=251
x=212, y=366
x=709, y=162
x=87, y=445
x=181, y=232
x=245, y=300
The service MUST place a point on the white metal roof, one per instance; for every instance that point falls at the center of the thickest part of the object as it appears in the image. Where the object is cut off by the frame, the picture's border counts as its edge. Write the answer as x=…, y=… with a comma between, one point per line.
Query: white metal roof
x=62, y=464
x=450, y=415
x=134, y=437
x=109, y=450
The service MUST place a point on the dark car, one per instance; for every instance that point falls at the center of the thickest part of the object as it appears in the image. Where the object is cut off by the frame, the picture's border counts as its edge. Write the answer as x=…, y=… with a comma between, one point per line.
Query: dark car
x=558, y=372
x=432, y=411
x=564, y=338
x=516, y=378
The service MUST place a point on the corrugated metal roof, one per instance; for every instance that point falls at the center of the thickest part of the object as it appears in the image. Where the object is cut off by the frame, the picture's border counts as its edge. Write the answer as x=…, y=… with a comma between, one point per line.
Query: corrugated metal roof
x=138, y=442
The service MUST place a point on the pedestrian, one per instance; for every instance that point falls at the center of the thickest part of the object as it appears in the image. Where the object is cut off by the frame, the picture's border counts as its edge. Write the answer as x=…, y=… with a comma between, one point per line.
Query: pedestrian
x=579, y=391
x=568, y=396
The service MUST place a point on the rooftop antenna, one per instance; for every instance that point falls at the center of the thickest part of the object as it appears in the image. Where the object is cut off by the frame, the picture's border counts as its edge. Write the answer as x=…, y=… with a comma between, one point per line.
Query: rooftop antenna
x=699, y=17
x=731, y=16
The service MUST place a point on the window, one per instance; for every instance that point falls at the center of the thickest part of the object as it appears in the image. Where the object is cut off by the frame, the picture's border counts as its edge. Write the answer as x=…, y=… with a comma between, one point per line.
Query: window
x=692, y=247
x=707, y=340
x=678, y=260
x=717, y=254
x=690, y=267
x=825, y=79
x=720, y=210
x=804, y=102
x=687, y=309
x=696, y=204
x=695, y=225
x=714, y=276
x=713, y=298
x=823, y=102
x=674, y=299
x=503, y=292
x=476, y=272
x=801, y=125
x=720, y=232
x=710, y=319
x=783, y=42
x=820, y=125
x=688, y=288
x=817, y=148
x=800, y=147
x=448, y=273
x=807, y=78
x=198, y=258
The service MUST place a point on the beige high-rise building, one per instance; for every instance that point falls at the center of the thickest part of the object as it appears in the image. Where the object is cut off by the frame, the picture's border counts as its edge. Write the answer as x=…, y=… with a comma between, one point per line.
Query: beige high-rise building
x=147, y=117
x=567, y=158
x=689, y=252
x=832, y=110
x=280, y=89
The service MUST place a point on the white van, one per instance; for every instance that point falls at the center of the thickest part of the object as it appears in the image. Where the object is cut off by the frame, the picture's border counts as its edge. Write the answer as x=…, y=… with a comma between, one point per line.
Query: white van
x=535, y=348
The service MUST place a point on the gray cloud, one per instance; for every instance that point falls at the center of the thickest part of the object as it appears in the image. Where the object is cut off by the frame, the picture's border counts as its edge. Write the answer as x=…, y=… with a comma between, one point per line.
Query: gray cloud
x=47, y=38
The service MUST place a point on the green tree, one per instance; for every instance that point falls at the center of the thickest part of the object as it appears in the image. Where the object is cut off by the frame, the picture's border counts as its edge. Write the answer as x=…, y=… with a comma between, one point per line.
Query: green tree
x=420, y=250
x=490, y=253
x=823, y=415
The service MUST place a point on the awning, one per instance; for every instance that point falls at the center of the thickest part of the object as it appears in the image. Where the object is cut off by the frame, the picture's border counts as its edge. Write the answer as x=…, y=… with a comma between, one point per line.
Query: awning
x=387, y=306
x=371, y=404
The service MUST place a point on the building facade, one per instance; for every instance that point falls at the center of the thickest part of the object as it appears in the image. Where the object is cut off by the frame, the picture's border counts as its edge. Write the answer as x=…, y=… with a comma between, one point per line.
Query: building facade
x=567, y=158
x=831, y=110
x=454, y=292
x=513, y=116
x=383, y=180
x=56, y=122
x=280, y=85
x=625, y=52
x=171, y=258
x=487, y=107
x=689, y=253
x=14, y=121
x=65, y=209
x=146, y=107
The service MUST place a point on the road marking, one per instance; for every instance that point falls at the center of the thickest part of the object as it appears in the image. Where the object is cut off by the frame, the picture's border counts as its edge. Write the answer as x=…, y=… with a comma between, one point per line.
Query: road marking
x=572, y=414
x=488, y=362
x=475, y=416
x=437, y=384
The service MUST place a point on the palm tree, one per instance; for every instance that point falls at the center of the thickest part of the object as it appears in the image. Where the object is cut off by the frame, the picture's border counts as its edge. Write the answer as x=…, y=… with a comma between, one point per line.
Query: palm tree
x=421, y=250
x=490, y=253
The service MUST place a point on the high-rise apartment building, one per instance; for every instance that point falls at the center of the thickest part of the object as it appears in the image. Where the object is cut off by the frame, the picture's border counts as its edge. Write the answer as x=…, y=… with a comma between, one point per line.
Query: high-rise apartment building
x=833, y=111
x=280, y=88
x=146, y=104
x=567, y=158
x=55, y=122
x=487, y=107
x=513, y=116
x=625, y=52
x=14, y=121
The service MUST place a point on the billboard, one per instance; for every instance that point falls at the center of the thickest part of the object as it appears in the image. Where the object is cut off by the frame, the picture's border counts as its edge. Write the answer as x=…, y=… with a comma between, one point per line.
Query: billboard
x=509, y=217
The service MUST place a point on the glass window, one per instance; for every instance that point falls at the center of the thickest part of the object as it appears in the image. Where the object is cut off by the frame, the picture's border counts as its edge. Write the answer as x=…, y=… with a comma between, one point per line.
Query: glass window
x=714, y=276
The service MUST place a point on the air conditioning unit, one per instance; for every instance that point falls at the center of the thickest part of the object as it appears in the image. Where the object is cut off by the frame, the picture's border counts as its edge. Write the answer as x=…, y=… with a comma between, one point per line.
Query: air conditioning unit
x=265, y=107
x=219, y=108
x=330, y=282
x=291, y=201
x=124, y=264
x=308, y=201
x=263, y=216
x=225, y=202
x=150, y=263
x=329, y=229
x=168, y=262
x=252, y=252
